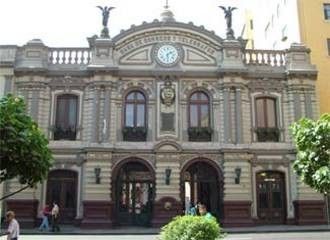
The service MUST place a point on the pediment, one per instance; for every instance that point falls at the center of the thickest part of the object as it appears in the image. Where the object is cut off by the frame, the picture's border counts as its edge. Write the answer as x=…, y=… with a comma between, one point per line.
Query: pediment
x=196, y=57
x=140, y=56
x=167, y=146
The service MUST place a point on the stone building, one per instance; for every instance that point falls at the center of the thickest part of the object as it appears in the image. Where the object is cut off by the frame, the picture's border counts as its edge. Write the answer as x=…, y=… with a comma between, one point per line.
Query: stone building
x=163, y=115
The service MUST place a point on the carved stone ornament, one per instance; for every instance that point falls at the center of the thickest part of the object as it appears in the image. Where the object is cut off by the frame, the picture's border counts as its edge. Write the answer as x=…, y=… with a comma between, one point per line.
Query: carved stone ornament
x=167, y=94
x=167, y=206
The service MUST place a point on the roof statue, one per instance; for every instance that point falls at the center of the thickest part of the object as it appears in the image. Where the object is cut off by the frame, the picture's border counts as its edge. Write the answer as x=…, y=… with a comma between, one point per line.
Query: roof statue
x=105, y=19
x=228, y=16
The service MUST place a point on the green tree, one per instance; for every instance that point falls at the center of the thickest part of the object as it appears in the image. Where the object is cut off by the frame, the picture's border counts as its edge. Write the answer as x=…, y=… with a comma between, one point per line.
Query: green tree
x=312, y=140
x=24, y=152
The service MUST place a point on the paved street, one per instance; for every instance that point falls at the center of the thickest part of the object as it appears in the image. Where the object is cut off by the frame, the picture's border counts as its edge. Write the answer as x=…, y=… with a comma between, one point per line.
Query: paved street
x=255, y=236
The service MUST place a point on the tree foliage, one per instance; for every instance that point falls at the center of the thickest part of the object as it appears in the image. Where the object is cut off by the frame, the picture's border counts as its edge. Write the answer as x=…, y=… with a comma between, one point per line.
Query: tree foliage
x=24, y=152
x=192, y=228
x=312, y=139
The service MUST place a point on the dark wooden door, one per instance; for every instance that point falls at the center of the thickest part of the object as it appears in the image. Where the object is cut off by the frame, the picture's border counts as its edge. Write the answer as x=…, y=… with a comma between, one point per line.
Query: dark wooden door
x=202, y=184
x=271, y=197
x=134, y=196
x=62, y=188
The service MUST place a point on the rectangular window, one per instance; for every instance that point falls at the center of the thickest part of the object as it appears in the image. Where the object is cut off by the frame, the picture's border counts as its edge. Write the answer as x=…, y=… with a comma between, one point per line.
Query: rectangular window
x=284, y=33
x=328, y=40
x=266, y=30
x=251, y=24
x=326, y=11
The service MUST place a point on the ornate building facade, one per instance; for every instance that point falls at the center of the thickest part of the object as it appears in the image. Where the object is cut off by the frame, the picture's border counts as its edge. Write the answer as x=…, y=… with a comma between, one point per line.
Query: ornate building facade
x=163, y=115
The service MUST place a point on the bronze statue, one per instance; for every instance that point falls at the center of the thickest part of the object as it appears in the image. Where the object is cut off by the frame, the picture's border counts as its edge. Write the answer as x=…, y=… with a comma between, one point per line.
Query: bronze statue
x=105, y=14
x=105, y=19
x=228, y=15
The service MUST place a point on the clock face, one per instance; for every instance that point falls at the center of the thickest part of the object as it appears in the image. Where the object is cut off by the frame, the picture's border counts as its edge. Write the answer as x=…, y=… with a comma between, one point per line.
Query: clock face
x=167, y=54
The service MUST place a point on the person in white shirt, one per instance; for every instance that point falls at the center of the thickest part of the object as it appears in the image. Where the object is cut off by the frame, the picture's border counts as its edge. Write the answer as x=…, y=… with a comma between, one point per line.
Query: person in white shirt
x=13, y=228
x=55, y=217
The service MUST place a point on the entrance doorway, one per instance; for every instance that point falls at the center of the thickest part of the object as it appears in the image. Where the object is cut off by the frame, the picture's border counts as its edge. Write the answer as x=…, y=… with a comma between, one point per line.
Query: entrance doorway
x=134, y=190
x=201, y=184
x=271, y=197
x=62, y=188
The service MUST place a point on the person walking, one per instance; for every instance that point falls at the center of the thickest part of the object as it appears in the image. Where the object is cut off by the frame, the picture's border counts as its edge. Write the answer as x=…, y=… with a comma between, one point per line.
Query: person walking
x=55, y=217
x=13, y=227
x=45, y=223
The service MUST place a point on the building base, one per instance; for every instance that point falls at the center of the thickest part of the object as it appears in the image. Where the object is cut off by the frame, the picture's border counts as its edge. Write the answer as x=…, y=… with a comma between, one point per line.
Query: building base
x=310, y=212
x=25, y=210
x=237, y=214
x=97, y=214
x=165, y=210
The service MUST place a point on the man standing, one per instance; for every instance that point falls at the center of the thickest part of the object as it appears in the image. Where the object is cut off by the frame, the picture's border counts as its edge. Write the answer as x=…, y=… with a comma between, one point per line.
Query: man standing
x=13, y=227
x=55, y=217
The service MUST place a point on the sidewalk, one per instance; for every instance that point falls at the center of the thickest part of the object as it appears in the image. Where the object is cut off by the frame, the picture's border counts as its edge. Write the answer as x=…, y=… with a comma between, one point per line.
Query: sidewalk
x=154, y=231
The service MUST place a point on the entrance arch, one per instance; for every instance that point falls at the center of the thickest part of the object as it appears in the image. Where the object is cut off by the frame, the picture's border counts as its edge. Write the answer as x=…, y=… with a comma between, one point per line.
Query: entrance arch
x=271, y=207
x=133, y=183
x=62, y=188
x=202, y=181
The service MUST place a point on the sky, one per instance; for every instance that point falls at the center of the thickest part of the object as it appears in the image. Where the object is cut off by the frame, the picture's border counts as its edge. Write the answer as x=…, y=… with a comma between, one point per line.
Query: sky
x=67, y=23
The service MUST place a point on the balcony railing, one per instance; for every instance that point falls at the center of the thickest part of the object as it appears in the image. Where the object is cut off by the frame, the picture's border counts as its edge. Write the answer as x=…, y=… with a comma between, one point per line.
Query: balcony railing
x=200, y=134
x=264, y=57
x=60, y=133
x=135, y=134
x=268, y=134
x=69, y=56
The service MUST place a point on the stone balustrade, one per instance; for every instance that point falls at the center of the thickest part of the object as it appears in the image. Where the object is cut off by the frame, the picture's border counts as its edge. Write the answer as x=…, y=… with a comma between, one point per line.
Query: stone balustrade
x=68, y=56
x=264, y=57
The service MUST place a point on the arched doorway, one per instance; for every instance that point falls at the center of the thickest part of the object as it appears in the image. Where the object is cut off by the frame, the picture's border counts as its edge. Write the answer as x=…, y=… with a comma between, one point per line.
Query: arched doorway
x=271, y=205
x=134, y=187
x=62, y=188
x=201, y=181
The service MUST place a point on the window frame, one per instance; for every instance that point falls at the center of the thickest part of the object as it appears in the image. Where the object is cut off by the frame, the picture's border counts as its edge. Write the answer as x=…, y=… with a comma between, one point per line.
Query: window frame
x=135, y=103
x=199, y=103
x=326, y=10
x=56, y=109
x=265, y=108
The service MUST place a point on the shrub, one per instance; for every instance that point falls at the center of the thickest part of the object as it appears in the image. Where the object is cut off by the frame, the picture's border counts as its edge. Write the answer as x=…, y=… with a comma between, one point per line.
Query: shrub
x=192, y=228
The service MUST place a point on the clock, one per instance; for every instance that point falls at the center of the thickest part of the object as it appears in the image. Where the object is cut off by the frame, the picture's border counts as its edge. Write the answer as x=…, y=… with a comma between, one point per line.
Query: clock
x=167, y=55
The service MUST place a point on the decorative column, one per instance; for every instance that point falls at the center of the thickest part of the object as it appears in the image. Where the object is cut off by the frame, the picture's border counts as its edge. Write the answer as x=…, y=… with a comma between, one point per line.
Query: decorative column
x=106, y=116
x=297, y=105
x=238, y=109
x=96, y=110
x=308, y=105
x=227, y=114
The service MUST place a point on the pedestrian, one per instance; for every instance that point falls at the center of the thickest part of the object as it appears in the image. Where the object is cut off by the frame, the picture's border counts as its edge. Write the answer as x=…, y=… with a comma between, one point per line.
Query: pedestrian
x=192, y=209
x=55, y=217
x=203, y=211
x=45, y=223
x=13, y=227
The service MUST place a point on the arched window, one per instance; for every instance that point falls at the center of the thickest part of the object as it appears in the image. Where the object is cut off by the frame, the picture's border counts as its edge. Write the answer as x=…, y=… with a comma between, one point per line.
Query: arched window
x=135, y=117
x=199, y=117
x=66, y=117
x=135, y=109
x=266, y=119
x=199, y=110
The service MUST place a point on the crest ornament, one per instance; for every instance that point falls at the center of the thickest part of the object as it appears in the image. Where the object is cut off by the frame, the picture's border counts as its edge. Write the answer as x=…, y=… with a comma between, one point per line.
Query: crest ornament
x=167, y=94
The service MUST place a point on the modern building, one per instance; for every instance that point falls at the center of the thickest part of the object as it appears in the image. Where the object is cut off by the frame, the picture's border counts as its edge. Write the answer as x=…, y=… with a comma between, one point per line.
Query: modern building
x=279, y=23
x=163, y=115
